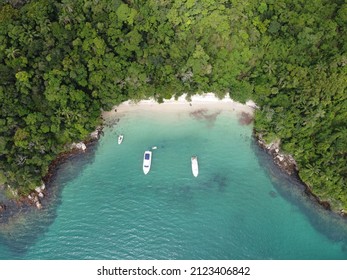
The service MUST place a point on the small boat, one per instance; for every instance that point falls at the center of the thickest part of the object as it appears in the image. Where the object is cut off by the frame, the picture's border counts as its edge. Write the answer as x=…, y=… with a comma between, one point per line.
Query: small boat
x=195, y=166
x=147, y=160
x=120, y=138
x=154, y=147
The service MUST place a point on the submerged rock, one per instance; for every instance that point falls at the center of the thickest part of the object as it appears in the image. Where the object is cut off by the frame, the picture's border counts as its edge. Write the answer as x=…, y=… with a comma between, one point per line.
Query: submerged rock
x=2, y=207
x=245, y=118
x=273, y=194
x=204, y=115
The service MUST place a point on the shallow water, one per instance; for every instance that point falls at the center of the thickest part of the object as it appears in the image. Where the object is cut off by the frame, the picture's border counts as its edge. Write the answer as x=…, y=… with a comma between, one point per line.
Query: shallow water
x=102, y=206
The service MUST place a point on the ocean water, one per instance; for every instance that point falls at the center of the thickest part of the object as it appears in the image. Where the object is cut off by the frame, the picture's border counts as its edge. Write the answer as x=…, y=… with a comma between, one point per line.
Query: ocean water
x=101, y=205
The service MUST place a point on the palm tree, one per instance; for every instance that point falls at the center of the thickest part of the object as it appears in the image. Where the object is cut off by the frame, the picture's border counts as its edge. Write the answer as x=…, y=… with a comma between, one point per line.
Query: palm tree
x=12, y=52
x=269, y=67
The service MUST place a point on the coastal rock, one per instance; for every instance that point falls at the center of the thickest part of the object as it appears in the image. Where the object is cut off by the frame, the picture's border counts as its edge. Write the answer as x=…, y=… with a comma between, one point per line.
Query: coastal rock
x=273, y=147
x=79, y=146
x=325, y=204
x=38, y=205
x=41, y=188
x=34, y=197
x=95, y=135
x=286, y=162
x=251, y=103
x=279, y=157
x=38, y=189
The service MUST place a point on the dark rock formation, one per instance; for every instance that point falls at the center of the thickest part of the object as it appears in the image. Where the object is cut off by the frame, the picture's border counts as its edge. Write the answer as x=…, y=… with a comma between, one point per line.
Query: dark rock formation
x=286, y=162
x=2, y=207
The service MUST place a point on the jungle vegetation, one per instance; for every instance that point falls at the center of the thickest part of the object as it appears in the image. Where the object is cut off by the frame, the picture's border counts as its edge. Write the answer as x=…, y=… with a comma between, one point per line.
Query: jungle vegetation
x=64, y=61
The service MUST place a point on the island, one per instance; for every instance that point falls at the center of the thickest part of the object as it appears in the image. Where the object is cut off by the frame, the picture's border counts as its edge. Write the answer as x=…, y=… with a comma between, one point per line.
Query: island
x=63, y=63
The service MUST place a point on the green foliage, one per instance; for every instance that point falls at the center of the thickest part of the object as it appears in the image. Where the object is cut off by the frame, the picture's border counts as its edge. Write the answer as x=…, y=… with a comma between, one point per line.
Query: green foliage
x=62, y=62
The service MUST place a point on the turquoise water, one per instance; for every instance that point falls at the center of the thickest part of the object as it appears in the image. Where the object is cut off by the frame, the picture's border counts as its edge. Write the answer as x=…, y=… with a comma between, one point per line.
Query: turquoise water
x=102, y=206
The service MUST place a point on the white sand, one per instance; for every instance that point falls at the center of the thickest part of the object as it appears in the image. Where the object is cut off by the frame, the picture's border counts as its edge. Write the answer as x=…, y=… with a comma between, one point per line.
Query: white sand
x=207, y=101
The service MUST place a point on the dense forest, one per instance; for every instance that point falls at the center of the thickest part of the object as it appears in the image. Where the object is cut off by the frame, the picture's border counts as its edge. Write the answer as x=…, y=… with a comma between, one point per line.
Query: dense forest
x=64, y=61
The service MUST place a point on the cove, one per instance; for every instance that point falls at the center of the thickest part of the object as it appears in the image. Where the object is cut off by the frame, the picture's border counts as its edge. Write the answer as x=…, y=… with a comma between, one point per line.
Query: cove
x=240, y=206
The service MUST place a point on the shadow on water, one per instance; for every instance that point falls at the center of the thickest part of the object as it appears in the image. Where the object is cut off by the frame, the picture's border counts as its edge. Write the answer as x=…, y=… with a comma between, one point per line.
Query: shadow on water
x=182, y=197
x=21, y=226
x=217, y=181
x=291, y=189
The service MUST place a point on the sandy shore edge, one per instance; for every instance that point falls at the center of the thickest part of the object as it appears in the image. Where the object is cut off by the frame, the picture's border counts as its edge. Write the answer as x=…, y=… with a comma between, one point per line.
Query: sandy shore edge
x=207, y=101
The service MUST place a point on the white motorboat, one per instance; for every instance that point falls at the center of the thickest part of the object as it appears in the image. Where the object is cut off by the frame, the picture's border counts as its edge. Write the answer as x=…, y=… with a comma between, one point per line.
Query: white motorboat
x=195, y=166
x=120, y=138
x=147, y=160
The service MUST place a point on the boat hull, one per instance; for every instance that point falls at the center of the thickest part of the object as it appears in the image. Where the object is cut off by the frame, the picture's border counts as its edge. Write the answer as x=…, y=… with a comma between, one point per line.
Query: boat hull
x=147, y=162
x=120, y=139
x=195, y=166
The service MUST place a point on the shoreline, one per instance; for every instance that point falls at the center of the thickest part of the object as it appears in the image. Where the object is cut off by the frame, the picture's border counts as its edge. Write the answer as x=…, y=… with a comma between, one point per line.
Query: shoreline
x=195, y=103
x=181, y=104
x=286, y=163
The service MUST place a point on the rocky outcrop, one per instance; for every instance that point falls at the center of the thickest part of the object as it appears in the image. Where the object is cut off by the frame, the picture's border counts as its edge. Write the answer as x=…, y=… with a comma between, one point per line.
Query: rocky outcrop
x=34, y=197
x=252, y=104
x=286, y=162
x=95, y=135
x=15, y=202
x=79, y=146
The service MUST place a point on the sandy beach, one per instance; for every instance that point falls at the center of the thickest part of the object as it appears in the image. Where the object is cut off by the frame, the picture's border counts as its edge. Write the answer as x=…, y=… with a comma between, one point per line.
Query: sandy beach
x=207, y=101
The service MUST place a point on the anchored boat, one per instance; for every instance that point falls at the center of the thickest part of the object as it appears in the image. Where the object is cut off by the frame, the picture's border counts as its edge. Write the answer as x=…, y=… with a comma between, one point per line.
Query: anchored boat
x=147, y=160
x=195, y=166
x=120, y=138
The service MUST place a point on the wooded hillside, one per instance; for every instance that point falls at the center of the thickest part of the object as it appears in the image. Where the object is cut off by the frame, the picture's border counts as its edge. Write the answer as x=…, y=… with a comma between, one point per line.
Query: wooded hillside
x=62, y=62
